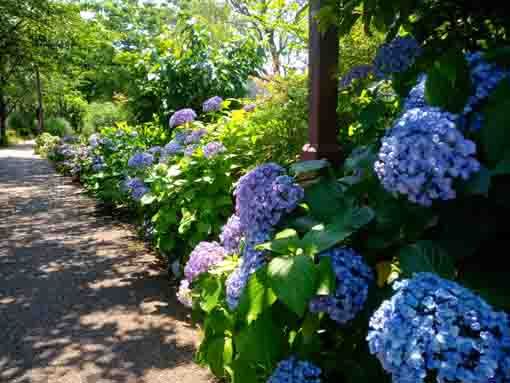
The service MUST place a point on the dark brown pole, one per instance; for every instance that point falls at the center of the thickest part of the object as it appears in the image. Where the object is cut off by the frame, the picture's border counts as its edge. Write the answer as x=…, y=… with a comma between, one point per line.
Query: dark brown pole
x=323, y=69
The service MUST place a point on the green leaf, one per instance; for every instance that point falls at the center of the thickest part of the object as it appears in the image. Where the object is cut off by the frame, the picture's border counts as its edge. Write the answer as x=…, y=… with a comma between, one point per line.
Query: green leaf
x=327, y=277
x=495, y=134
x=257, y=296
x=361, y=158
x=262, y=342
x=219, y=354
x=426, y=256
x=311, y=166
x=293, y=279
x=479, y=183
x=243, y=372
x=285, y=242
x=187, y=219
x=325, y=198
x=210, y=291
x=502, y=168
x=448, y=83
x=218, y=322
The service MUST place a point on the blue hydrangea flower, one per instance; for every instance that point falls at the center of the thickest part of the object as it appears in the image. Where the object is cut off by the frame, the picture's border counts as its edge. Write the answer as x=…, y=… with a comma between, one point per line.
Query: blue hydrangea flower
x=250, y=262
x=485, y=77
x=433, y=327
x=231, y=235
x=184, y=293
x=171, y=149
x=136, y=187
x=295, y=371
x=141, y=160
x=213, y=148
x=155, y=150
x=213, y=104
x=182, y=117
x=262, y=197
x=205, y=255
x=194, y=136
x=416, y=97
x=190, y=150
x=396, y=56
x=358, y=72
x=249, y=108
x=422, y=155
x=98, y=164
x=94, y=140
x=353, y=277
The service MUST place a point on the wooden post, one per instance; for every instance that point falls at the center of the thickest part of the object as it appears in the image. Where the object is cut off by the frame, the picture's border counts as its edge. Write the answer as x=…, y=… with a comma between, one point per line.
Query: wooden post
x=323, y=97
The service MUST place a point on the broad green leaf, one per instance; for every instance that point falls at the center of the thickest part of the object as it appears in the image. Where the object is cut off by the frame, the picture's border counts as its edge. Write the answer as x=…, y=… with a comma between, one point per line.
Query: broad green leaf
x=147, y=199
x=285, y=242
x=327, y=277
x=479, y=183
x=495, y=133
x=448, y=83
x=426, y=256
x=304, y=167
x=218, y=322
x=362, y=158
x=219, y=354
x=210, y=292
x=293, y=279
x=243, y=372
x=325, y=198
x=257, y=296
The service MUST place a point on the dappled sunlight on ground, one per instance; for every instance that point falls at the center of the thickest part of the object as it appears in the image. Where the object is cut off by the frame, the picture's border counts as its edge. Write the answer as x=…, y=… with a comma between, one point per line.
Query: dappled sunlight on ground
x=80, y=299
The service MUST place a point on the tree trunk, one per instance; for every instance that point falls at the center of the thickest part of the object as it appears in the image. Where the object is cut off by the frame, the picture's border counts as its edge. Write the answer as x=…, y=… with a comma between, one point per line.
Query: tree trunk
x=3, y=120
x=275, y=56
x=40, y=110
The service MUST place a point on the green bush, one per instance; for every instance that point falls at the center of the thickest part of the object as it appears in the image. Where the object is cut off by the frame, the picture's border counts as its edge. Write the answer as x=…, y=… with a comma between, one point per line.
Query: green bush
x=103, y=115
x=46, y=143
x=22, y=123
x=58, y=126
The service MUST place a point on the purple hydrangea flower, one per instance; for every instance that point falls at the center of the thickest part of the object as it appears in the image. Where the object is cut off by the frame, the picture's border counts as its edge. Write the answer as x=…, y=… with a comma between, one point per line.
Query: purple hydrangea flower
x=295, y=371
x=94, y=140
x=213, y=148
x=353, y=277
x=190, y=150
x=262, y=197
x=136, y=187
x=141, y=160
x=249, y=108
x=358, y=72
x=435, y=328
x=194, y=136
x=98, y=164
x=205, y=255
x=182, y=117
x=422, y=154
x=396, y=56
x=213, y=104
x=416, y=97
x=155, y=150
x=184, y=293
x=231, y=235
x=171, y=149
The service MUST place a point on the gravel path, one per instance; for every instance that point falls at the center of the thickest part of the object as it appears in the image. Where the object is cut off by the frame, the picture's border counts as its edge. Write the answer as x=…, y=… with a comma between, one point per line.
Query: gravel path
x=80, y=299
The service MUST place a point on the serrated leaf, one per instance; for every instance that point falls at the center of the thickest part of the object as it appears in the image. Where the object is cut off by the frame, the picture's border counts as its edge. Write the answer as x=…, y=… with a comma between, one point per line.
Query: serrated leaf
x=293, y=279
x=285, y=242
x=218, y=322
x=327, y=277
x=426, y=256
x=257, y=296
x=325, y=199
x=304, y=167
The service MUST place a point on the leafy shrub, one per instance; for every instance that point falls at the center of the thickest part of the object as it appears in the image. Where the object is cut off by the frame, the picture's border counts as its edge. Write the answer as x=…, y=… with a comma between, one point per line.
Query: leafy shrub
x=45, y=144
x=102, y=115
x=21, y=122
x=58, y=126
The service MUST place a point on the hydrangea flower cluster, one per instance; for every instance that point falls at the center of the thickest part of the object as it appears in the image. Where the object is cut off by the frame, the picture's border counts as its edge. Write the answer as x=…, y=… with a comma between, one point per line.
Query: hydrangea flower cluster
x=485, y=77
x=353, y=277
x=358, y=72
x=249, y=108
x=422, y=154
x=432, y=327
x=141, y=160
x=263, y=195
x=191, y=137
x=416, y=97
x=213, y=104
x=170, y=149
x=98, y=164
x=205, y=255
x=94, y=140
x=155, y=150
x=295, y=371
x=213, y=148
x=182, y=116
x=190, y=149
x=231, y=235
x=396, y=56
x=184, y=293
x=136, y=188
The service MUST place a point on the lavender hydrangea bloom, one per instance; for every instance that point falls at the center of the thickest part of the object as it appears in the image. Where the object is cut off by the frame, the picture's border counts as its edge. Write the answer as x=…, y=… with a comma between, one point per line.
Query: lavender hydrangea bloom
x=98, y=164
x=432, y=327
x=213, y=104
x=136, y=187
x=249, y=108
x=396, y=56
x=416, y=97
x=182, y=116
x=141, y=160
x=295, y=371
x=190, y=150
x=171, y=149
x=353, y=277
x=422, y=154
x=94, y=140
x=251, y=261
x=356, y=73
x=213, y=148
x=485, y=77
x=231, y=235
x=194, y=136
x=155, y=150
x=262, y=197
x=205, y=255
x=184, y=293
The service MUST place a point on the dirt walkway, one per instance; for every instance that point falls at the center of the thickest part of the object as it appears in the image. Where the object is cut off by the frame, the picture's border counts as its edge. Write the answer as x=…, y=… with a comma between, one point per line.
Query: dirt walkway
x=79, y=301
